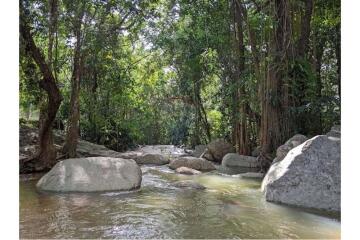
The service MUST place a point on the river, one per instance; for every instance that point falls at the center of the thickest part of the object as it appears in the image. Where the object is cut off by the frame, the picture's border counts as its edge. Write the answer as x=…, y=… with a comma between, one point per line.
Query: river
x=230, y=207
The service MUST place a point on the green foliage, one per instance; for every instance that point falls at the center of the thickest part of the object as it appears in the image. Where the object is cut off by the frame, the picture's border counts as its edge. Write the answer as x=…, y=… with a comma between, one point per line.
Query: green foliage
x=161, y=72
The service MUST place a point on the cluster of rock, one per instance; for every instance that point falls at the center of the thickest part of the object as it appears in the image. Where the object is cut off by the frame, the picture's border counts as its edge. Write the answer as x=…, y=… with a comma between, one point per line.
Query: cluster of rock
x=309, y=175
x=98, y=168
x=221, y=151
x=305, y=172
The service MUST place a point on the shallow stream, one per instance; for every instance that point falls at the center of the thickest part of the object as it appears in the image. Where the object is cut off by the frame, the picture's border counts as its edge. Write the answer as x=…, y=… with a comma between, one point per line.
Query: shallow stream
x=230, y=207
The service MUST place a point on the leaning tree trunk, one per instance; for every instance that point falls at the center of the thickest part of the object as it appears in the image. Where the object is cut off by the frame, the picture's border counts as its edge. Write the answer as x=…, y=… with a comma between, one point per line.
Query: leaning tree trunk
x=46, y=154
x=52, y=25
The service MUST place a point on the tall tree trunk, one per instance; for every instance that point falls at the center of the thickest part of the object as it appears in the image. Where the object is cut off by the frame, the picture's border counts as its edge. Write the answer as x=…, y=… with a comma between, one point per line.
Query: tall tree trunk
x=256, y=64
x=52, y=29
x=274, y=128
x=338, y=57
x=242, y=141
x=202, y=114
x=302, y=51
x=196, y=136
x=318, y=47
x=304, y=39
x=72, y=133
x=46, y=154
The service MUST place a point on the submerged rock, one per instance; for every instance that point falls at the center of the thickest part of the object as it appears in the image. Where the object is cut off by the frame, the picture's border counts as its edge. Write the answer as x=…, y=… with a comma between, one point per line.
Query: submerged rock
x=217, y=149
x=186, y=170
x=92, y=174
x=191, y=162
x=309, y=176
x=252, y=175
x=296, y=140
x=189, y=184
x=156, y=159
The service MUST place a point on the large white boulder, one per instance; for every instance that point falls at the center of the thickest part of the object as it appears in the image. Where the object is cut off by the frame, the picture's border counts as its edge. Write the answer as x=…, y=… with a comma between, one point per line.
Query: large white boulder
x=309, y=176
x=92, y=174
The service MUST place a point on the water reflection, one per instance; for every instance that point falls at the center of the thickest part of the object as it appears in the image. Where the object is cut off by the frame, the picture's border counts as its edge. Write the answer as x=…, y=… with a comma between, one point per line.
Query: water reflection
x=229, y=208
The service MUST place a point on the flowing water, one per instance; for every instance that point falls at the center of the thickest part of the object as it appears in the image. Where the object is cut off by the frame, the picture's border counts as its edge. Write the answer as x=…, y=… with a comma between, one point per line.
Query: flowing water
x=230, y=207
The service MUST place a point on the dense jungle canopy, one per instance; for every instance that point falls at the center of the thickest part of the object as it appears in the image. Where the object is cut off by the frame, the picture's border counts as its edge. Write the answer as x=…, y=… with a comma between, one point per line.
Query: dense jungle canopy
x=184, y=72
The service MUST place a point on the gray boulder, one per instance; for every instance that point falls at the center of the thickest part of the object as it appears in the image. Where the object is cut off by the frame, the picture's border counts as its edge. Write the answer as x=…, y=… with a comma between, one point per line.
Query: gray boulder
x=256, y=151
x=296, y=140
x=92, y=174
x=88, y=149
x=199, y=150
x=335, y=132
x=217, y=149
x=191, y=162
x=241, y=161
x=129, y=154
x=207, y=156
x=309, y=176
x=156, y=159
x=187, y=171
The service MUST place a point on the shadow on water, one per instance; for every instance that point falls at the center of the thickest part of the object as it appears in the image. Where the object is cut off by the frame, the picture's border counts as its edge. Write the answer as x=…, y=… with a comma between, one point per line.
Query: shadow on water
x=230, y=207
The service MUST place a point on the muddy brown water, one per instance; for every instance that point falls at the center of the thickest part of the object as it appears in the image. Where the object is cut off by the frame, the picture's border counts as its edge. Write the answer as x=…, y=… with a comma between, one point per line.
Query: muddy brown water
x=230, y=207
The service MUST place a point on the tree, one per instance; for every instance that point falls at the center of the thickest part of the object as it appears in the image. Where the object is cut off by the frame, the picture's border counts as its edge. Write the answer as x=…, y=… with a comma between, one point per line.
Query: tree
x=275, y=125
x=46, y=154
x=183, y=72
x=72, y=132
